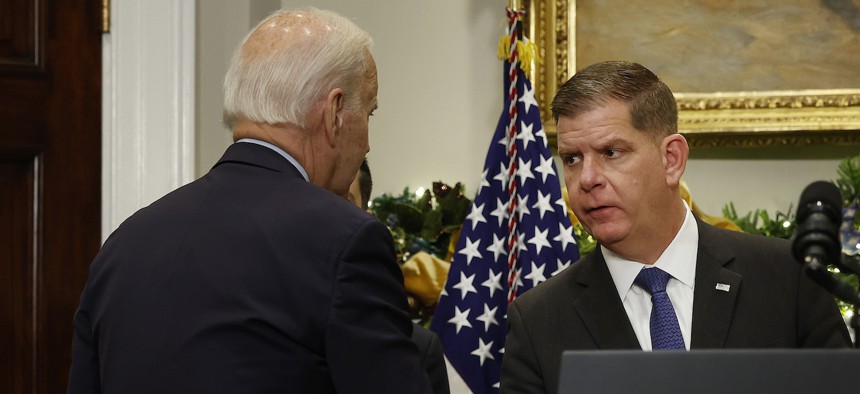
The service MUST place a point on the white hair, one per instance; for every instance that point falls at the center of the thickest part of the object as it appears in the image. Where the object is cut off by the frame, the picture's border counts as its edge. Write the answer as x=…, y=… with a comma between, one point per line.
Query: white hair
x=283, y=85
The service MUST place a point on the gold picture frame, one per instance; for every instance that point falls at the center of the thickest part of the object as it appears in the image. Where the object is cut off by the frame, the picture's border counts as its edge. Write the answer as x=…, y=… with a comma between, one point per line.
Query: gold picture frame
x=710, y=119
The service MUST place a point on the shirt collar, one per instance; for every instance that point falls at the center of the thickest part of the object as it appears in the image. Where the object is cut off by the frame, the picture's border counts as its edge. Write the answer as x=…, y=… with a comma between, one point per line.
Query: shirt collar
x=281, y=152
x=679, y=258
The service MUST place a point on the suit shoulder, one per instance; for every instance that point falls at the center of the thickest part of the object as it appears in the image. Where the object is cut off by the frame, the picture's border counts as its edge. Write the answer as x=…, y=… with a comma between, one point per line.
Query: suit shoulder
x=747, y=238
x=747, y=251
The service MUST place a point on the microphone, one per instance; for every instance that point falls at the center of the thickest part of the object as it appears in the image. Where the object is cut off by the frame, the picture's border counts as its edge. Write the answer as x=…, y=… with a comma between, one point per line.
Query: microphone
x=819, y=214
x=815, y=242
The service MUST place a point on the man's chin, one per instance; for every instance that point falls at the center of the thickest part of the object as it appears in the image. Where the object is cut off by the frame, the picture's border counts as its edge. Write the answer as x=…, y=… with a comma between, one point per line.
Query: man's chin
x=607, y=235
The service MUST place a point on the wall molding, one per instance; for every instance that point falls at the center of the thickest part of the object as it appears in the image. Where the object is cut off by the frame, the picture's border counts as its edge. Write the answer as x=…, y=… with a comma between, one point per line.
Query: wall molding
x=148, y=74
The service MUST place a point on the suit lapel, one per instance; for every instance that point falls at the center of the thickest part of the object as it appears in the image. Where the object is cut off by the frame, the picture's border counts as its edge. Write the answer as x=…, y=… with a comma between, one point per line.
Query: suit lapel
x=600, y=308
x=716, y=290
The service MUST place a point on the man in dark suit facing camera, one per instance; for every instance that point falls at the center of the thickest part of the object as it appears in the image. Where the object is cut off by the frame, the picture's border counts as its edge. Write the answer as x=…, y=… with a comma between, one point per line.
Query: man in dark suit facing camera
x=260, y=276
x=660, y=278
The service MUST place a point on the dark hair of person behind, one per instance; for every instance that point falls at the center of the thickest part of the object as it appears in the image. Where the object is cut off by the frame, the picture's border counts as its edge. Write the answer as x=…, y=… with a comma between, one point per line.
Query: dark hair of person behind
x=652, y=106
x=365, y=183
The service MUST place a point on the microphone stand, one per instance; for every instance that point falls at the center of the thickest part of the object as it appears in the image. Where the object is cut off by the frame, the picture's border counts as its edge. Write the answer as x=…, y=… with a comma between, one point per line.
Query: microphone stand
x=855, y=325
x=817, y=270
x=852, y=263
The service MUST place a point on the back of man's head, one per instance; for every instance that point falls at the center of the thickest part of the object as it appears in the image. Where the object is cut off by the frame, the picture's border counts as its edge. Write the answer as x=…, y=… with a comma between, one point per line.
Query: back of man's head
x=289, y=62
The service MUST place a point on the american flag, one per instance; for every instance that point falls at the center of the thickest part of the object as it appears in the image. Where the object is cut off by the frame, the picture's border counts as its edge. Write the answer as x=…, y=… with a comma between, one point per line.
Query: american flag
x=517, y=233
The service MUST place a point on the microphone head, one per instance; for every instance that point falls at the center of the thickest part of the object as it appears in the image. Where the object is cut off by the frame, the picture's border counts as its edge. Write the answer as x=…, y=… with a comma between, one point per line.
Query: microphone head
x=820, y=196
x=819, y=214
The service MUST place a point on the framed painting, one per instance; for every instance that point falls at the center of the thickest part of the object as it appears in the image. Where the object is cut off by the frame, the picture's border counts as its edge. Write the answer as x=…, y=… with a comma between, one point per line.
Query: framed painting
x=745, y=74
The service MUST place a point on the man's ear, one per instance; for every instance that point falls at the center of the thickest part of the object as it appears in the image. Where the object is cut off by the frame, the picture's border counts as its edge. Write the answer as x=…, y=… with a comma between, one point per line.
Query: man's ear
x=675, y=152
x=331, y=114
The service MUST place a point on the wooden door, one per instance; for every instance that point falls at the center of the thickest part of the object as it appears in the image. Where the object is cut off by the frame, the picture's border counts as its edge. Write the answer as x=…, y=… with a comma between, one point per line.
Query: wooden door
x=50, y=183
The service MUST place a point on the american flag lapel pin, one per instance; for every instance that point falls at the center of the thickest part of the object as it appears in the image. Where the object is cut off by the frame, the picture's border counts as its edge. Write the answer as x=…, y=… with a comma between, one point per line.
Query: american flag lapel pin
x=723, y=287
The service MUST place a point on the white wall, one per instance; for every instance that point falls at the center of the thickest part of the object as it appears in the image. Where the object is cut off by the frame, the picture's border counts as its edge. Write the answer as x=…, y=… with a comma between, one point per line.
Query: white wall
x=756, y=183
x=440, y=98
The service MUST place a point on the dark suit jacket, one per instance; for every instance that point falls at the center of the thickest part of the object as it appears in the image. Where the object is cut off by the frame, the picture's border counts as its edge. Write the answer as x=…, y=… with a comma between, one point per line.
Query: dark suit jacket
x=770, y=303
x=248, y=280
x=432, y=358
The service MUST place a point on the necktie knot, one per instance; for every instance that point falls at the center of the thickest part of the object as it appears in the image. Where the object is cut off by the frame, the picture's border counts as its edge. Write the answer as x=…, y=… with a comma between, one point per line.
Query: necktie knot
x=653, y=280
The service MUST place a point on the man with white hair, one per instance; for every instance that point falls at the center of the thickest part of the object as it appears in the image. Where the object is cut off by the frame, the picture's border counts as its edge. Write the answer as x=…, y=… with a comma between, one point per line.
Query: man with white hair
x=260, y=276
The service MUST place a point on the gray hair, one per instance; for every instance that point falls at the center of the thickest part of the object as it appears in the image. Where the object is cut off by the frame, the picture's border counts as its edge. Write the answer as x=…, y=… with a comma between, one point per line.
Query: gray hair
x=283, y=84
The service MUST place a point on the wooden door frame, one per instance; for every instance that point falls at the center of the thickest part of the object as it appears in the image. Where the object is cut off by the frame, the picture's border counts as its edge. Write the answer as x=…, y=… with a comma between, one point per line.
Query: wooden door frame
x=148, y=122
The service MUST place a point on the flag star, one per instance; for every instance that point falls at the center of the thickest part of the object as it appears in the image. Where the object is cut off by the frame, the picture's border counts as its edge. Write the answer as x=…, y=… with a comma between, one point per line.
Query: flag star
x=543, y=204
x=495, y=386
x=483, y=351
x=526, y=134
x=501, y=211
x=565, y=236
x=528, y=98
x=465, y=286
x=498, y=248
x=444, y=292
x=521, y=242
x=561, y=267
x=542, y=135
x=484, y=181
x=471, y=250
x=502, y=176
x=488, y=317
x=525, y=171
x=539, y=239
x=523, y=206
x=476, y=215
x=460, y=319
x=505, y=140
x=536, y=275
x=546, y=167
x=493, y=283
x=562, y=204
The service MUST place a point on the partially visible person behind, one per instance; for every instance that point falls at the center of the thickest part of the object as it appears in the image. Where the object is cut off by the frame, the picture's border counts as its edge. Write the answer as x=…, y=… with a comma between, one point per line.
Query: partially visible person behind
x=259, y=277
x=661, y=278
x=429, y=346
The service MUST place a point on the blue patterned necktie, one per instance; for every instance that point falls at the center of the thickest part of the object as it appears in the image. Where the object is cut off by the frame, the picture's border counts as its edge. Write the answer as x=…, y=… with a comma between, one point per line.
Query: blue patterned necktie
x=665, y=332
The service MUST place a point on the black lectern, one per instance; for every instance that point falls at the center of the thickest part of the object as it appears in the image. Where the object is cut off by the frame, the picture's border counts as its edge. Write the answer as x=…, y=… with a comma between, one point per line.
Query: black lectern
x=710, y=371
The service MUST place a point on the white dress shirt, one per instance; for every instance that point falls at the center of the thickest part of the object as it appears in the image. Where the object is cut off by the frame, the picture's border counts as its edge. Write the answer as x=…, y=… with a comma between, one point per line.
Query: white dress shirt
x=679, y=260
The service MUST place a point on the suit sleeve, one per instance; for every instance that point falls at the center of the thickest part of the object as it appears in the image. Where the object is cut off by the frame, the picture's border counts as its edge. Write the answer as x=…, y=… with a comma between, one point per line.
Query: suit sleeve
x=435, y=364
x=520, y=370
x=820, y=324
x=84, y=374
x=367, y=339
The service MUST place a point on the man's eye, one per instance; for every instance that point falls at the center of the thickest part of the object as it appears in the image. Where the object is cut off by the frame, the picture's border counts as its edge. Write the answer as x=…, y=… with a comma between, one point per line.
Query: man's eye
x=571, y=159
x=611, y=153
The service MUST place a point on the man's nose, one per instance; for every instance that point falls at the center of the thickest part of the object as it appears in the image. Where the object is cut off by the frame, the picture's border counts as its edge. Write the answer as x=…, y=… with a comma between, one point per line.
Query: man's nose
x=591, y=175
